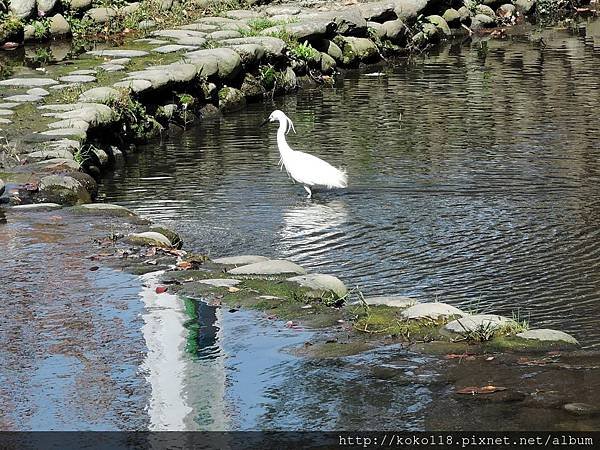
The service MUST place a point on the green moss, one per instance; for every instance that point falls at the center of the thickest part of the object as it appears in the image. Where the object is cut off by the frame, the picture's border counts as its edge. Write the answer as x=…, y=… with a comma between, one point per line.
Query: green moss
x=334, y=349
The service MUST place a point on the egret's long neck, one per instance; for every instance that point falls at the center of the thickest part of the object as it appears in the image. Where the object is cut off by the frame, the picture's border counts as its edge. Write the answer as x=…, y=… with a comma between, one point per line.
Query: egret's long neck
x=281, y=142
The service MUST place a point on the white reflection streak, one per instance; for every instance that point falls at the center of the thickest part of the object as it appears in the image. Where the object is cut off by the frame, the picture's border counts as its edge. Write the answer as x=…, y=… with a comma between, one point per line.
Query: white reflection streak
x=164, y=365
x=315, y=218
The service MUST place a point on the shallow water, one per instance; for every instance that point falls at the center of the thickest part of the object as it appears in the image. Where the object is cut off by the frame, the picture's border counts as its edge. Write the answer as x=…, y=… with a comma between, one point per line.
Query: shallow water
x=473, y=180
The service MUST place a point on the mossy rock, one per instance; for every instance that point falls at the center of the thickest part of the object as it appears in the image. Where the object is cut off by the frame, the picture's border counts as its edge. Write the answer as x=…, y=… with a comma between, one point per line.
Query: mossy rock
x=104, y=209
x=62, y=189
x=355, y=50
x=176, y=241
x=231, y=99
x=11, y=29
x=149, y=239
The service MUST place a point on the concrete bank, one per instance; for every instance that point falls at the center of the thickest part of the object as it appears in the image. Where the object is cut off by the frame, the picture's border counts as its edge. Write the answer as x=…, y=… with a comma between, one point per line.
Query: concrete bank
x=64, y=124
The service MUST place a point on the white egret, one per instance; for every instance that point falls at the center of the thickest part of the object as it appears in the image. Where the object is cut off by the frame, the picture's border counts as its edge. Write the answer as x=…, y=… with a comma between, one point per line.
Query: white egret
x=306, y=169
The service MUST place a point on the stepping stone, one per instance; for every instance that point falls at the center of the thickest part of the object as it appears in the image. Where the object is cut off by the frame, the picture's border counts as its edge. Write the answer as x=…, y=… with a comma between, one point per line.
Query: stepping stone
x=118, y=53
x=172, y=48
x=62, y=86
x=121, y=61
x=240, y=260
x=476, y=322
x=44, y=155
x=66, y=132
x=270, y=267
x=111, y=67
x=201, y=27
x=397, y=301
x=545, y=334
x=24, y=98
x=242, y=14
x=99, y=95
x=149, y=238
x=220, y=282
x=4, y=121
x=8, y=105
x=135, y=85
x=38, y=91
x=6, y=112
x=318, y=281
x=38, y=207
x=152, y=41
x=431, y=311
x=224, y=34
x=28, y=82
x=77, y=79
x=83, y=72
x=70, y=123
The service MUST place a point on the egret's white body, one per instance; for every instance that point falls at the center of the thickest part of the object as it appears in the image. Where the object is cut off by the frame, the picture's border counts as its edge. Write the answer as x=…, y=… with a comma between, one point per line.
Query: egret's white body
x=302, y=167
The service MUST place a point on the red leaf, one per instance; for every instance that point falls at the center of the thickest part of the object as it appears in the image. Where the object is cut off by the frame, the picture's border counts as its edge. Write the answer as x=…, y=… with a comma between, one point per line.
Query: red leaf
x=480, y=390
x=161, y=289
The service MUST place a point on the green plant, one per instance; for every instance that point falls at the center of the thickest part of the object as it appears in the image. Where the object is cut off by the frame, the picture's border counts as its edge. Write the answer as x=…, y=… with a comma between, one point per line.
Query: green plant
x=42, y=56
x=132, y=115
x=41, y=28
x=304, y=51
x=268, y=76
x=70, y=94
x=81, y=155
x=186, y=100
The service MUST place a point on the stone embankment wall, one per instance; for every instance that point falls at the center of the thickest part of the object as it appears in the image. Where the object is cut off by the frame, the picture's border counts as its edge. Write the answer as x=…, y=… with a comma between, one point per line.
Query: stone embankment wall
x=68, y=123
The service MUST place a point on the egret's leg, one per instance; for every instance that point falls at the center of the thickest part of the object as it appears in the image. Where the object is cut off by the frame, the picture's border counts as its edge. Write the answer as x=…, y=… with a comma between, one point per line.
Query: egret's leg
x=309, y=191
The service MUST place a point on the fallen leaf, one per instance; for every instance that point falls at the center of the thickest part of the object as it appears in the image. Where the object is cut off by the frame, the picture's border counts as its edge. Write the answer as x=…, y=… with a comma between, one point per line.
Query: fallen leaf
x=94, y=268
x=184, y=265
x=472, y=390
x=457, y=356
x=233, y=289
x=10, y=45
x=489, y=358
x=161, y=289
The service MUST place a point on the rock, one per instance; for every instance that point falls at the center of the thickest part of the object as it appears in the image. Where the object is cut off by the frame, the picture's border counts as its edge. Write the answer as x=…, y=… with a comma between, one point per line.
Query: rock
x=6, y=112
x=72, y=133
x=38, y=207
x=101, y=15
x=303, y=30
x=270, y=267
x=321, y=282
x=581, y=409
x=28, y=82
x=70, y=123
x=274, y=47
x=228, y=62
x=251, y=87
x=165, y=5
x=231, y=99
x=544, y=334
x=80, y=5
x=106, y=209
x=482, y=21
x=465, y=15
x=43, y=155
x=431, y=311
x=242, y=14
x=328, y=64
x=149, y=238
x=223, y=34
x=95, y=114
x=409, y=9
x=99, y=95
x=395, y=30
x=183, y=37
x=378, y=11
x=136, y=86
x=45, y=6
x=59, y=26
x=171, y=48
x=40, y=92
x=130, y=8
x=488, y=322
x=77, y=79
x=111, y=67
x=376, y=29
x=250, y=54
x=486, y=10
x=122, y=61
x=23, y=9
x=397, y=301
x=4, y=121
x=524, y=6
x=8, y=105
x=220, y=282
x=288, y=81
x=169, y=234
x=240, y=260
x=505, y=11
x=356, y=50
x=62, y=189
x=452, y=17
x=117, y=53
x=329, y=47
x=24, y=98
x=146, y=24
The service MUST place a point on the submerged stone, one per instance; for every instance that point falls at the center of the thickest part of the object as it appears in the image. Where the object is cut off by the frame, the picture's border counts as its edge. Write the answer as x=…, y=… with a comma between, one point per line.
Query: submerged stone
x=149, y=238
x=240, y=260
x=545, y=334
x=270, y=267
x=397, y=301
x=38, y=207
x=321, y=282
x=468, y=324
x=231, y=99
x=581, y=409
x=107, y=209
x=169, y=234
x=431, y=311
x=220, y=282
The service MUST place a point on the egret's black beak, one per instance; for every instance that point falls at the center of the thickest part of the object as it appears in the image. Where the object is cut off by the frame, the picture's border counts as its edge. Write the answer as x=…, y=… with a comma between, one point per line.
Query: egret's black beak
x=264, y=122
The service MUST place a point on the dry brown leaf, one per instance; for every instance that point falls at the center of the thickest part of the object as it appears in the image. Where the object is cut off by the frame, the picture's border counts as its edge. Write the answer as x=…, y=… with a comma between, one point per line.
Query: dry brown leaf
x=472, y=390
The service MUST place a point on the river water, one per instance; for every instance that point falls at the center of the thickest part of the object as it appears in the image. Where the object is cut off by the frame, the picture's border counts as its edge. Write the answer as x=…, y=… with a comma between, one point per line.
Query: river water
x=474, y=180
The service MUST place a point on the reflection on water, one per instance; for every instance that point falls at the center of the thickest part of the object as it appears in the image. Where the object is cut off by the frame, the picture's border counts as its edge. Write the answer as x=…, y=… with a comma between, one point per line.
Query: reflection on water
x=473, y=180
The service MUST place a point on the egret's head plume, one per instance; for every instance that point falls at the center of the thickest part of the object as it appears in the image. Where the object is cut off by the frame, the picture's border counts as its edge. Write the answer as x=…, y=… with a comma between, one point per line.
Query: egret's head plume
x=280, y=116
